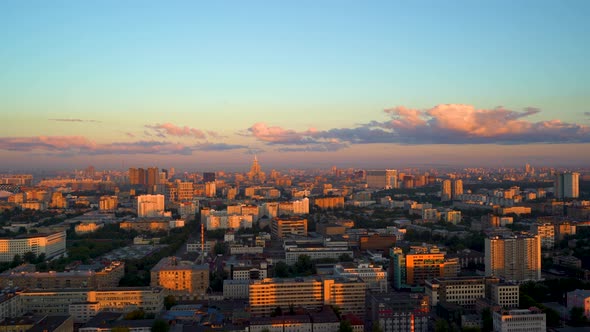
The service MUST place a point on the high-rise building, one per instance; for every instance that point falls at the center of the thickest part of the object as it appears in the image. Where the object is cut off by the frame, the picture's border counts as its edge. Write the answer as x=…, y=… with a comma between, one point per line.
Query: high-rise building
x=567, y=185
x=381, y=179
x=153, y=176
x=133, y=176
x=150, y=206
x=513, y=257
x=256, y=174
x=210, y=189
x=446, y=191
x=141, y=177
x=457, y=188
x=208, y=177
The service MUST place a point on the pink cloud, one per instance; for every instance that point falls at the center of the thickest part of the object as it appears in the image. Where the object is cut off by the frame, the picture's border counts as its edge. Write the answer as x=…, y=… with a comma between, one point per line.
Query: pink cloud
x=173, y=130
x=68, y=145
x=441, y=124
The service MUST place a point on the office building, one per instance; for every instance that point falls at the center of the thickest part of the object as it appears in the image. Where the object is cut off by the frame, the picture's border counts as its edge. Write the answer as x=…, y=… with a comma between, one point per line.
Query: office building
x=381, y=179
x=519, y=320
x=281, y=227
x=307, y=293
x=513, y=257
x=150, y=206
x=400, y=312
x=546, y=233
x=101, y=277
x=182, y=279
x=421, y=264
x=108, y=203
x=89, y=302
x=324, y=203
x=52, y=245
x=208, y=177
x=566, y=185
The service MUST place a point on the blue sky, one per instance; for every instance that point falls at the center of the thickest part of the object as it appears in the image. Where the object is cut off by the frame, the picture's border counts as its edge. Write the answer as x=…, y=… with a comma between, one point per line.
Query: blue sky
x=224, y=66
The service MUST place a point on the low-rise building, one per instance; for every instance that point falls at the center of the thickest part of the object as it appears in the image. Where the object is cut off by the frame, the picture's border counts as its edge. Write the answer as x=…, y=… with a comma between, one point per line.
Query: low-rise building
x=182, y=279
x=52, y=245
x=517, y=320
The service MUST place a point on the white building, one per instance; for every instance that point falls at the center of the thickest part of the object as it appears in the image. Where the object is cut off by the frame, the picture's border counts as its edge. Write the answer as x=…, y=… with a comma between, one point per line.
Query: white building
x=236, y=289
x=520, y=320
x=150, y=206
x=374, y=277
x=51, y=245
x=223, y=220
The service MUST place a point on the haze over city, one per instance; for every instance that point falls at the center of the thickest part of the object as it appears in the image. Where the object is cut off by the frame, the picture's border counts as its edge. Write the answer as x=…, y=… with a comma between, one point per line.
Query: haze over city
x=306, y=84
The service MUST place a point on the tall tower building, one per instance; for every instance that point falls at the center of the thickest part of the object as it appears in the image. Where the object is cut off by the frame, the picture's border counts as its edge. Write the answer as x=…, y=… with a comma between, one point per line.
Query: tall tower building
x=255, y=173
x=515, y=257
x=153, y=176
x=445, y=191
x=133, y=176
x=382, y=179
x=456, y=188
x=567, y=185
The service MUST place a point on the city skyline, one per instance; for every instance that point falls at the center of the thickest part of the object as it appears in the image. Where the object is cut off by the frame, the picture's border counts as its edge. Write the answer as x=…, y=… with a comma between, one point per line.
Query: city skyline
x=379, y=85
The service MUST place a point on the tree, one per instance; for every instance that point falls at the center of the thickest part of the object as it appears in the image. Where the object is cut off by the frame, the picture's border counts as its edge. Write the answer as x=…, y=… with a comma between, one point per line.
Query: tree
x=376, y=327
x=441, y=325
x=281, y=270
x=277, y=312
x=169, y=302
x=345, y=258
x=160, y=325
x=487, y=320
x=220, y=248
x=577, y=317
x=304, y=265
x=16, y=261
x=135, y=314
x=345, y=326
x=30, y=257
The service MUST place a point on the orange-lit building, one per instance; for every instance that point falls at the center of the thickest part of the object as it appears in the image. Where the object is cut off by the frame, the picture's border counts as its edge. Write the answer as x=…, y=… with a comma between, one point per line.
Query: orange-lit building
x=51, y=245
x=145, y=225
x=336, y=202
x=106, y=277
x=281, y=227
x=420, y=264
x=182, y=279
x=307, y=293
x=377, y=242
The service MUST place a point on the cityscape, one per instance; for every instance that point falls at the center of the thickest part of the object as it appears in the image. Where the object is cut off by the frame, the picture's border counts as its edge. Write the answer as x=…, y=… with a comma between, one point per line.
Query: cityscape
x=329, y=166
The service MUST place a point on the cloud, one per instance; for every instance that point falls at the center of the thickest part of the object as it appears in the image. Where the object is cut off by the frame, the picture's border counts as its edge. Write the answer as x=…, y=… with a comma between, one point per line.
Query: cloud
x=72, y=120
x=218, y=147
x=68, y=145
x=442, y=124
x=169, y=129
x=132, y=135
x=278, y=135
